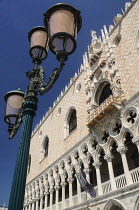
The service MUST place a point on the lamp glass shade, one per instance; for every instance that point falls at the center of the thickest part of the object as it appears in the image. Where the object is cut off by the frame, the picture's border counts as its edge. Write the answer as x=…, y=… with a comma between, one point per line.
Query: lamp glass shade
x=14, y=103
x=38, y=43
x=62, y=21
x=62, y=43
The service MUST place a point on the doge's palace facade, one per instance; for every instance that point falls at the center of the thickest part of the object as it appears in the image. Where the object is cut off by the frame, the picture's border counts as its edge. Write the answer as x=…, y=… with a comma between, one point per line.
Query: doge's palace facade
x=96, y=131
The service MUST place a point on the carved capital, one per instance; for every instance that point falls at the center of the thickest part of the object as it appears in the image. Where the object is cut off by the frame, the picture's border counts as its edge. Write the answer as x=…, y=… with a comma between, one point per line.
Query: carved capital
x=70, y=180
x=57, y=187
x=47, y=193
x=109, y=157
x=63, y=184
x=136, y=140
x=97, y=164
x=51, y=191
x=33, y=200
x=122, y=149
x=87, y=170
x=36, y=199
x=41, y=196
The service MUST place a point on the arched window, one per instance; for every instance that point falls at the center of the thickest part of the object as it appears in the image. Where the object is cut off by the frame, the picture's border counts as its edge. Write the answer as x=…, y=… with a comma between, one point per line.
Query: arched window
x=45, y=146
x=72, y=121
x=106, y=92
x=29, y=164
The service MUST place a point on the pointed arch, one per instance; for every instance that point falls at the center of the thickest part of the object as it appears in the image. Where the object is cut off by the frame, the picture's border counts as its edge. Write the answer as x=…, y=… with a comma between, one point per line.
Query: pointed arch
x=113, y=203
x=103, y=91
x=97, y=153
x=110, y=142
x=70, y=121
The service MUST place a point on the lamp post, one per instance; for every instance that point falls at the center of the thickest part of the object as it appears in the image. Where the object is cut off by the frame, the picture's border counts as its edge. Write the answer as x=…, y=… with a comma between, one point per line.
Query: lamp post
x=62, y=23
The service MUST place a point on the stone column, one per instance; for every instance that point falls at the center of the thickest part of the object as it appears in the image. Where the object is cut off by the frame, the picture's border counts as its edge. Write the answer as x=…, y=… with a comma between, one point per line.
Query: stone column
x=25, y=207
x=57, y=187
x=29, y=206
x=111, y=173
x=51, y=198
x=63, y=184
x=46, y=200
x=41, y=201
x=99, y=185
x=70, y=180
x=79, y=190
x=122, y=150
x=37, y=204
x=33, y=205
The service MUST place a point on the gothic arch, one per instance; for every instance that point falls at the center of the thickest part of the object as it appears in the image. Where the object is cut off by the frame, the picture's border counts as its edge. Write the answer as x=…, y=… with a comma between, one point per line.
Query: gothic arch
x=110, y=144
x=126, y=131
x=114, y=203
x=97, y=153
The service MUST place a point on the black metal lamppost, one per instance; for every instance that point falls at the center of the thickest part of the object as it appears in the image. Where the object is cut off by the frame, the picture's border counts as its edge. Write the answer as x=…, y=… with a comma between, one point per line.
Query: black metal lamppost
x=62, y=23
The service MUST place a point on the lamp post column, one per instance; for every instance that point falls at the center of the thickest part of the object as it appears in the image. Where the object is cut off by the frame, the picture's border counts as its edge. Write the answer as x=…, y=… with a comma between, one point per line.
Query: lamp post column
x=19, y=178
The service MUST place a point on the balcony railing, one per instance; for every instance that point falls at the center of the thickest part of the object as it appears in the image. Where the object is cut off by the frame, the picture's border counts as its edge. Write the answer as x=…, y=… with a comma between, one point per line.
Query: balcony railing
x=120, y=181
x=106, y=187
x=100, y=112
x=135, y=175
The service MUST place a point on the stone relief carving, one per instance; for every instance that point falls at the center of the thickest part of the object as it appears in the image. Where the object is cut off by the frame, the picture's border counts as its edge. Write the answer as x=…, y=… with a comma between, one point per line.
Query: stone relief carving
x=106, y=71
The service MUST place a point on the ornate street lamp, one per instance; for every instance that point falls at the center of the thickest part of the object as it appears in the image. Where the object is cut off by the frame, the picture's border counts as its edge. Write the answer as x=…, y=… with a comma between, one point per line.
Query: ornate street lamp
x=62, y=23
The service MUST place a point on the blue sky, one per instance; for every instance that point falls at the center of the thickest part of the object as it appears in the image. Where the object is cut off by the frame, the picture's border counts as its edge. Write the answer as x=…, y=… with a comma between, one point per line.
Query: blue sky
x=17, y=18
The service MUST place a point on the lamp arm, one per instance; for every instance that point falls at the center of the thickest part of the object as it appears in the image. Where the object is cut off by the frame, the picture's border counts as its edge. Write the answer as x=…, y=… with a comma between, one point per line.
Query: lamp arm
x=36, y=84
x=52, y=79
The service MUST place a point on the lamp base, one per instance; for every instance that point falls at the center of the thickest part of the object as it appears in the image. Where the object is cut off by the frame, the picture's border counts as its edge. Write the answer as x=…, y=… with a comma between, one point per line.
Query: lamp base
x=62, y=55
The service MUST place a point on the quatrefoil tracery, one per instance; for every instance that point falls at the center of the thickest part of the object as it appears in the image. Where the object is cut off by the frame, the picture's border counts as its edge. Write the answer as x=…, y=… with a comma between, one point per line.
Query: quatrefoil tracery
x=131, y=117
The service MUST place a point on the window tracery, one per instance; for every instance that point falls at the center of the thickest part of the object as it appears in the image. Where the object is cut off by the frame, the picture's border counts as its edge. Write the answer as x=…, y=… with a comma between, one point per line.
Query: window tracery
x=105, y=136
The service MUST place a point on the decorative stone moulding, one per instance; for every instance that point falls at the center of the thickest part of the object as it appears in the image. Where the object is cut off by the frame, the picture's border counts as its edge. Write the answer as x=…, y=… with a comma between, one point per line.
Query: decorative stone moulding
x=101, y=65
x=94, y=57
x=107, y=106
x=118, y=18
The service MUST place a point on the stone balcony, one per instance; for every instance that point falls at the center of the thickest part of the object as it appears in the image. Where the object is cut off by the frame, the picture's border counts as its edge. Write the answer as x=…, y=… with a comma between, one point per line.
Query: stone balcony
x=100, y=112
